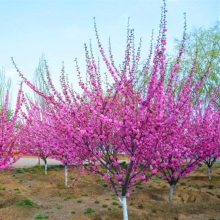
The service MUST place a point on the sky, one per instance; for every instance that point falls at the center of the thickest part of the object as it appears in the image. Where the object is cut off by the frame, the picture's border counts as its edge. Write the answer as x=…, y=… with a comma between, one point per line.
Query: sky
x=59, y=28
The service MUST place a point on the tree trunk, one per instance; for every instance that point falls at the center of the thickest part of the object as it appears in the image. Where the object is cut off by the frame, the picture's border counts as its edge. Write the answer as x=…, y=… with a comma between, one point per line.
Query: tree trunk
x=38, y=161
x=123, y=201
x=45, y=166
x=171, y=192
x=66, y=175
x=210, y=173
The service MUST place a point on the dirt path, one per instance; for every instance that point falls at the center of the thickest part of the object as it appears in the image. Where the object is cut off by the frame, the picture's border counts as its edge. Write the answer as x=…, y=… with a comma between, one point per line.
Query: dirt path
x=33, y=161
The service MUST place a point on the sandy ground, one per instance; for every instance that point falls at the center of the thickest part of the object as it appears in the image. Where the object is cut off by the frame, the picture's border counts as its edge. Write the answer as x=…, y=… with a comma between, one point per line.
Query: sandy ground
x=29, y=161
x=26, y=194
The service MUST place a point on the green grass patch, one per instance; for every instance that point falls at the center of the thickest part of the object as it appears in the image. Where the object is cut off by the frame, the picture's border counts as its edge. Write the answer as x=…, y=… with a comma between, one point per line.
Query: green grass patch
x=41, y=217
x=59, y=207
x=2, y=188
x=210, y=187
x=99, y=181
x=56, y=167
x=19, y=170
x=17, y=191
x=25, y=203
x=115, y=210
x=89, y=211
x=67, y=198
x=115, y=203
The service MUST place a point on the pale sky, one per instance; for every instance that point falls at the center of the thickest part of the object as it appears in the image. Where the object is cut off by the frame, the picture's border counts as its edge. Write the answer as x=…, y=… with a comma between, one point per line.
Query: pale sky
x=59, y=28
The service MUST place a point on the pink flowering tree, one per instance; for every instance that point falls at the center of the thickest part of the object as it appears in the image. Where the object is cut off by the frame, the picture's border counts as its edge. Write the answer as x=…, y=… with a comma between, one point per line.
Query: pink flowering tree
x=184, y=133
x=209, y=128
x=47, y=128
x=180, y=143
x=177, y=149
x=213, y=151
x=35, y=133
x=64, y=149
x=9, y=132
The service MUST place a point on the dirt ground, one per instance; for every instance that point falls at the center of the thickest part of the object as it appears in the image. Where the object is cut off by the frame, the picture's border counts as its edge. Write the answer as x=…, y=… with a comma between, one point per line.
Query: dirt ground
x=27, y=194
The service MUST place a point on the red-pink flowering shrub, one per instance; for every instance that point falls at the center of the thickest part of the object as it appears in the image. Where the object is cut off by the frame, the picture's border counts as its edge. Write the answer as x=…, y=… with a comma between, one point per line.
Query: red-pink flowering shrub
x=35, y=133
x=46, y=130
x=9, y=151
x=208, y=122
x=178, y=148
